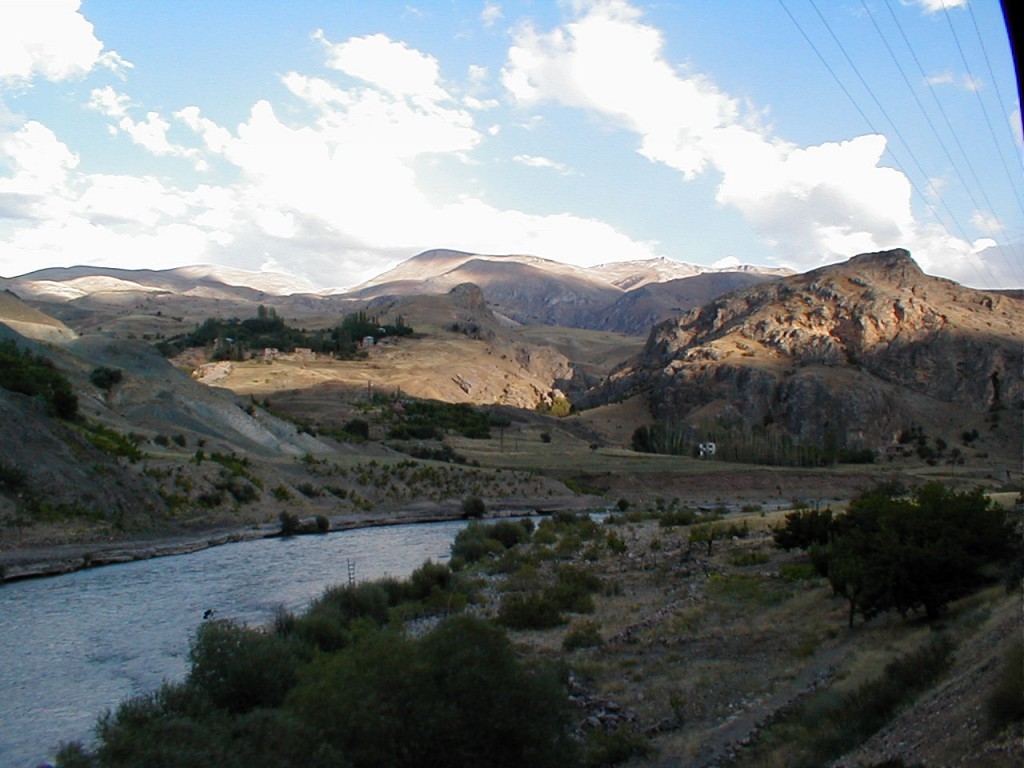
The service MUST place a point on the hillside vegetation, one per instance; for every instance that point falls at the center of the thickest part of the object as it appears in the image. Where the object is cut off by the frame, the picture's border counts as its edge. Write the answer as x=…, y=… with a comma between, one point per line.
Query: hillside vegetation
x=575, y=642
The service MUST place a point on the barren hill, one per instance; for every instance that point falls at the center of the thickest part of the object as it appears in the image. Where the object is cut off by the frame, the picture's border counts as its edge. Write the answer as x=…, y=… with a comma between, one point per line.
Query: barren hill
x=623, y=296
x=29, y=322
x=852, y=354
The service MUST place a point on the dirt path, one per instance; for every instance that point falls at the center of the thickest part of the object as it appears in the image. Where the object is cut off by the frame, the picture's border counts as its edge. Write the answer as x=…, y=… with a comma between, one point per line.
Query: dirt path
x=721, y=744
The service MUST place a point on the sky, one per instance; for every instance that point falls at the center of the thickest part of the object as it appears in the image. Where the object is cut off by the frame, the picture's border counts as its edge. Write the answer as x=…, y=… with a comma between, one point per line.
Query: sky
x=331, y=140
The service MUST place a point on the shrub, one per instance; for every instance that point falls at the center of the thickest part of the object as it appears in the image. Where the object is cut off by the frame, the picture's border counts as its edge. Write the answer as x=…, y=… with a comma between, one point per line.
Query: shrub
x=239, y=668
x=370, y=600
x=614, y=747
x=616, y=544
x=36, y=376
x=535, y=610
x=585, y=634
x=473, y=507
x=473, y=544
x=573, y=589
x=743, y=559
x=509, y=532
x=798, y=572
x=460, y=692
x=106, y=378
x=675, y=517
x=357, y=428
x=289, y=523
x=1005, y=704
x=12, y=479
x=429, y=577
x=803, y=529
x=323, y=525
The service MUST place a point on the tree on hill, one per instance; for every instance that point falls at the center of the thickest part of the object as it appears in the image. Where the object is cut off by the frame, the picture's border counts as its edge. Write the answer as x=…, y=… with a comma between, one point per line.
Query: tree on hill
x=34, y=375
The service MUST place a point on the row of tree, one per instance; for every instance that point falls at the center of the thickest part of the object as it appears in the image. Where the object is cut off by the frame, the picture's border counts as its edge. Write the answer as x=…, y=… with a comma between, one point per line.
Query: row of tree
x=235, y=339
x=915, y=552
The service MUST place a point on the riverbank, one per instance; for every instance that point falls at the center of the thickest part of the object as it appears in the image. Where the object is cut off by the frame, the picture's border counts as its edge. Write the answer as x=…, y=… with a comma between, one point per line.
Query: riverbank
x=42, y=559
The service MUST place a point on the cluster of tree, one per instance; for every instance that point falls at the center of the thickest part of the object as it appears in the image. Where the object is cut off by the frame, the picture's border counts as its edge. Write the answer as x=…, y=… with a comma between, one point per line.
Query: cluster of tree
x=431, y=419
x=24, y=371
x=905, y=553
x=339, y=686
x=759, y=444
x=235, y=339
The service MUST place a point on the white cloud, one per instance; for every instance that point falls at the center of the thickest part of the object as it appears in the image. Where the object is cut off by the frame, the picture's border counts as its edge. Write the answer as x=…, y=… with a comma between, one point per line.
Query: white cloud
x=391, y=66
x=330, y=191
x=491, y=14
x=39, y=162
x=151, y=133
x=673, y=115
x=943, y=78
x=986, y=222
x=49, y=38
x=814, y=204
x=534, y=161
x=934, y=6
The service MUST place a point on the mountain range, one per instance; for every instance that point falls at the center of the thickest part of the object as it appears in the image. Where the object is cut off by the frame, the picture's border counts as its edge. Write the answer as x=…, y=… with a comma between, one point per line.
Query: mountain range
x=870, y=355
x=626, y=297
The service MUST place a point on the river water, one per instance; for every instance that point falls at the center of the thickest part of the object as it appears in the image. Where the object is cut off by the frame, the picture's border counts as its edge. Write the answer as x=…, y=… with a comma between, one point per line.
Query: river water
x=72, y=646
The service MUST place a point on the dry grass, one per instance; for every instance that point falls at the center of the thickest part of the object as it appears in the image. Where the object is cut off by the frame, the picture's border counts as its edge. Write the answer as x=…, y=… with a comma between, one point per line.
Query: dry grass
x=701, y=650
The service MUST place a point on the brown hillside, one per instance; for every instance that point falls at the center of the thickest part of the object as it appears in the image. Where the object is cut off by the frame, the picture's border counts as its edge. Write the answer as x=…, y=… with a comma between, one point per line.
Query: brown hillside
x=854, y=353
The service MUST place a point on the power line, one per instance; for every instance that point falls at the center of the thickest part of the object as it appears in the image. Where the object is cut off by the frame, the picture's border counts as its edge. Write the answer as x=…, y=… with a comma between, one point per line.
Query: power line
x=991, y=73
x=899, y=135
x=913, y=92
x=955, y=221
x=984, y=109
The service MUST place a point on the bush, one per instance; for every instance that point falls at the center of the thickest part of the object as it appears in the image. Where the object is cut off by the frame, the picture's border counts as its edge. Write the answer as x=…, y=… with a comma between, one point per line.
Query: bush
x=510, y=532
x=36, y=376
x=1005, y=705
x=289, y=523
x=106, y=378
x=239, y=668
x=535, y=610
x=357, y=428
x=459, y=692
x=429, y=577
x=585, y=634
x=473, y=507
x=803, y=529
x=12, y=479
x=573, y=589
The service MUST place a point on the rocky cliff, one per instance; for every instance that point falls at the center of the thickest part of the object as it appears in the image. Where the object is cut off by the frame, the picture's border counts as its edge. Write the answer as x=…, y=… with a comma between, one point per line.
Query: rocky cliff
x=853, y=353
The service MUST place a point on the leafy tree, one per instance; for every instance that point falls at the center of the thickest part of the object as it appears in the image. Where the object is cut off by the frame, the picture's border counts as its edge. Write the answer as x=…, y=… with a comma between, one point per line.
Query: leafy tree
x=240, y=669
x=803, y=529
x=917, y=553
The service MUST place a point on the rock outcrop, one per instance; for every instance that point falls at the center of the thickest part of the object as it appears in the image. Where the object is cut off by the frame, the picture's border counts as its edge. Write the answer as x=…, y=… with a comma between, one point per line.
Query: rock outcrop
x=851, y=353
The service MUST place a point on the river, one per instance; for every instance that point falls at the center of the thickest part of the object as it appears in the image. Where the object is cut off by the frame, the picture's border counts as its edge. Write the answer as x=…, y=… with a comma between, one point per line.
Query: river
x=73, y=646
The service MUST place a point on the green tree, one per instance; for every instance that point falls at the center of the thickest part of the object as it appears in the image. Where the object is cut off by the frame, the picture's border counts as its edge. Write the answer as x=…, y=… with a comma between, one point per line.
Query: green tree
x=240, y=669
x=917, y=553
x=459, y=694
x=803, y=529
